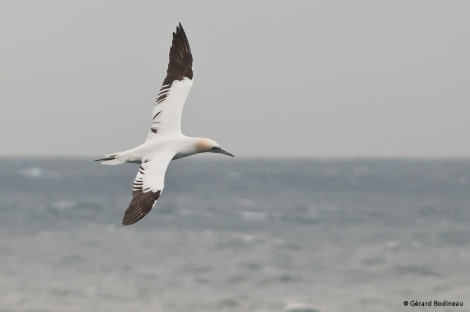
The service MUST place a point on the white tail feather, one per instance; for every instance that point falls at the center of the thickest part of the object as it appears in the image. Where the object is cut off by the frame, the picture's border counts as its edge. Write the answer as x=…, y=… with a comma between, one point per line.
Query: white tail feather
x=113, y=159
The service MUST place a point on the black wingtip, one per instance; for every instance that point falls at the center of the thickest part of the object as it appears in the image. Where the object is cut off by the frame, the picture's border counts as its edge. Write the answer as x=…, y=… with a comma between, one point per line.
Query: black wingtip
x=179, y=29
x=140, y=205
x=112, y=157
x=180, y=58
x=180, y=35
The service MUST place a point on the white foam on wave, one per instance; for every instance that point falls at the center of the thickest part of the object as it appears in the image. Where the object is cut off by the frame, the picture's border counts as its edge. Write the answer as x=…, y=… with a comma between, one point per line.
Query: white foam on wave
x=64, y=205
x=298, y=307
x=256, y=216
x=38, y=172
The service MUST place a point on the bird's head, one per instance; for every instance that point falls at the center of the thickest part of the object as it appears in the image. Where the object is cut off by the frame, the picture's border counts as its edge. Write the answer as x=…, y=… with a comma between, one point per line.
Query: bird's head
x=209, y=145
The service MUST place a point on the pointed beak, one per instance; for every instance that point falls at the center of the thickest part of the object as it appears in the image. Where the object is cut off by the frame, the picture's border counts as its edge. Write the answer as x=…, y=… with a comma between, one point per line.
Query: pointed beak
x=222, y=151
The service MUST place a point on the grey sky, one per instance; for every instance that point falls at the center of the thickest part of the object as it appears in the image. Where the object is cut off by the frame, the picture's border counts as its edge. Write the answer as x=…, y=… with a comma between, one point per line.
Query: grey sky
x=286, y=78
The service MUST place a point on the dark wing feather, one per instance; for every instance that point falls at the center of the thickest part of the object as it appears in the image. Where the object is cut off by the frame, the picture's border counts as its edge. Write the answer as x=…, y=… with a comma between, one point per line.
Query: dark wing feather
x=140, y=206
x=181, y=59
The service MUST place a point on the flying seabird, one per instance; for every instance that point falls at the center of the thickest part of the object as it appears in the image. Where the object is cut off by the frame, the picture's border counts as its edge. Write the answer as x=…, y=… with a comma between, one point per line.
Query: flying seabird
x=165, y=141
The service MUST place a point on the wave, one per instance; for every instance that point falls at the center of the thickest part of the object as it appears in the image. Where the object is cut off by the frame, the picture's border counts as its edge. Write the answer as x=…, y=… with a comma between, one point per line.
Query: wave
x=38, y=172
x=299, y=307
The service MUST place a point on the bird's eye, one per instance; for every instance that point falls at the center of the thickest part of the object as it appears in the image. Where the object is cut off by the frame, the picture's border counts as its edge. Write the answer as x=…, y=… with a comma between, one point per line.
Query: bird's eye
x=215, y=148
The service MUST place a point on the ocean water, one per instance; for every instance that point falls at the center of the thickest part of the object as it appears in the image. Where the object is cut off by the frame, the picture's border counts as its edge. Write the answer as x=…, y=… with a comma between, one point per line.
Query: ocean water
x=236, y=235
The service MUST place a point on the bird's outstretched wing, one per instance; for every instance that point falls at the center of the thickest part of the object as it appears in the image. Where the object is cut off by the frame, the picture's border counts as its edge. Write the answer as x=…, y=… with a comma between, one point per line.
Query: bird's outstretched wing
x=148, y=186
x=166, y=115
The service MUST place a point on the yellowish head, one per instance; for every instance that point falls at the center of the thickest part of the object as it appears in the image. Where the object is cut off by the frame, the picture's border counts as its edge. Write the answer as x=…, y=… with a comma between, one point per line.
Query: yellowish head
x=208, y=145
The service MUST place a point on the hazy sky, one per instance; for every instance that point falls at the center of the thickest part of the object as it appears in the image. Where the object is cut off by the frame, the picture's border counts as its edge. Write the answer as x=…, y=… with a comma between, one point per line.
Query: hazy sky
x=285, y=78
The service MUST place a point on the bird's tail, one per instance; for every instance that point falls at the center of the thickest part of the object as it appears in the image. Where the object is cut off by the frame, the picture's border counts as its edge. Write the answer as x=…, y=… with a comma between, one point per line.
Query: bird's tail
x=113, y=159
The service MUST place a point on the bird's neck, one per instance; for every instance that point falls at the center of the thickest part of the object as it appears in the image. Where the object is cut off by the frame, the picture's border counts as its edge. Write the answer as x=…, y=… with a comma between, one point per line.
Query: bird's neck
x=191, y=146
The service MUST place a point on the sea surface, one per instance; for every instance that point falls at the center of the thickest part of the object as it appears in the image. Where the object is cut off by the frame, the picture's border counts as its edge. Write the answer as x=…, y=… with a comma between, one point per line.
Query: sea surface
x=253, y=235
